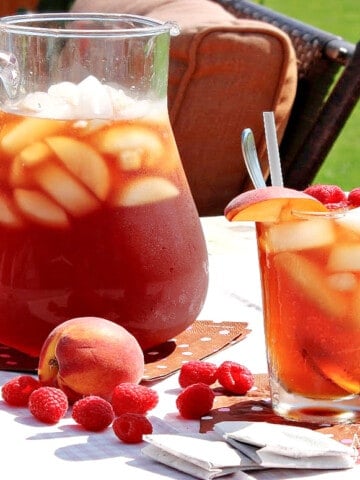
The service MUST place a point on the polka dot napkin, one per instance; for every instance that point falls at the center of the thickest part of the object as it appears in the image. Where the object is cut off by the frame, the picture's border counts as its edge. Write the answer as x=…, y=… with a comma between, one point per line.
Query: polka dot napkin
x=198, y=341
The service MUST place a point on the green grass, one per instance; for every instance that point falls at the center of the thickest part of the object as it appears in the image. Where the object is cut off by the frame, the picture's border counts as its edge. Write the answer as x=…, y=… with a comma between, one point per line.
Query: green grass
x=342, y=18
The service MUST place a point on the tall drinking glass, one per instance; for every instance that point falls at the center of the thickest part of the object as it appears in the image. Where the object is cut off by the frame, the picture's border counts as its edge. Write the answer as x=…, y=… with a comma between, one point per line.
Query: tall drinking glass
x=96, y=216
x=310, y=272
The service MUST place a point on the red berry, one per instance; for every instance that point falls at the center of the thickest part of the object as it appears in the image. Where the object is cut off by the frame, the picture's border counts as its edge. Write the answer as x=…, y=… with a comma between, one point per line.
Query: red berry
x=133, y=398
x=354, y=197
x=48, y=404
x=16, y=392
x=93, y=413
x=235, y=377
x=197, y=371
x=195, y=401
x=130, y=427
x=328, y=194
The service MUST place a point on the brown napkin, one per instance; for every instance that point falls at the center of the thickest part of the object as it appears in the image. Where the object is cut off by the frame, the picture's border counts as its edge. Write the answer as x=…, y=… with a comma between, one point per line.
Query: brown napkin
x=201, y=339
x=198, y=341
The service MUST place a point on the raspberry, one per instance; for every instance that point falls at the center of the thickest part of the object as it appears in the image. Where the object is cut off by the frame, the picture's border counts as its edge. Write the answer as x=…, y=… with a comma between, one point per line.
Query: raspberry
x=48, y=404
x=195, y=401
x=130, y=427
x=16, y=392
x=328, y=195
x=235, y=377
x=196, y=371
x=93, y=413
x=133, y=398
x=354, y=197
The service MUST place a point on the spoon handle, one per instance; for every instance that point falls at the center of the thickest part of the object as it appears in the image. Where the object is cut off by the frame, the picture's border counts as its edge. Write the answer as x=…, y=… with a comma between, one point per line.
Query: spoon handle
x=251, y=158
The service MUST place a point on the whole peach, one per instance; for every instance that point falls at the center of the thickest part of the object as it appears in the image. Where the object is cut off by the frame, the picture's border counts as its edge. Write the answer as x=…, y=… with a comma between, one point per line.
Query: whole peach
x=90, y=356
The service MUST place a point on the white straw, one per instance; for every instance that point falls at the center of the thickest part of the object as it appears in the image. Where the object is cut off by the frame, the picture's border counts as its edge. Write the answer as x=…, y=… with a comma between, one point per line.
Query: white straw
x=273, y=149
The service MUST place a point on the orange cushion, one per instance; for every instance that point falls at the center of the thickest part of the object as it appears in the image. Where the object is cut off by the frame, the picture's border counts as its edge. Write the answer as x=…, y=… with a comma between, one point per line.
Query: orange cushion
x=224, y=72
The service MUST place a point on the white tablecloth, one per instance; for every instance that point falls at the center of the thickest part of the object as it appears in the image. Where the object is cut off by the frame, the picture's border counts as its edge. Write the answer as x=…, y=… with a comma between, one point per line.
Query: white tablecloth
x=66, y=451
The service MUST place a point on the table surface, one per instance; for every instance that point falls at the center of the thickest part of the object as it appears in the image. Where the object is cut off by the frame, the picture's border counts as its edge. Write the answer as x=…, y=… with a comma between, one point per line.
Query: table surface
x=65, y=451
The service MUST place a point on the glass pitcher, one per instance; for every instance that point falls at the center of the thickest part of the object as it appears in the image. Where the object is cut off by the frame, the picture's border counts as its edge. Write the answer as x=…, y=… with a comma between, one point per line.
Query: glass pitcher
x=96, y=216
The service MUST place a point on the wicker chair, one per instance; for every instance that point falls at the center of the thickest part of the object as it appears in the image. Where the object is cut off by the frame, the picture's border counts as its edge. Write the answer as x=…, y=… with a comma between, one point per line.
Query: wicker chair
x=322, y=105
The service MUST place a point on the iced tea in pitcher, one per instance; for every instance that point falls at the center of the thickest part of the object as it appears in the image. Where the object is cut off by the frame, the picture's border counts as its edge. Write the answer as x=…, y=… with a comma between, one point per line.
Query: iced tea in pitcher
x=96, y=216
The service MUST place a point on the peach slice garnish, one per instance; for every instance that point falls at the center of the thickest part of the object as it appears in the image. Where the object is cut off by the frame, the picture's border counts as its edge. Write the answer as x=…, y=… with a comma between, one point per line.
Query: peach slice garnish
x=35, y=153
x=133, y=146
x=8, y=214
x=271, y=204
x=83, y=162
x=28, y=158
x=310, y=279
x=39, y=208
x=65, y=190
x=348, y=381
x=27, y=132
x=145, y=190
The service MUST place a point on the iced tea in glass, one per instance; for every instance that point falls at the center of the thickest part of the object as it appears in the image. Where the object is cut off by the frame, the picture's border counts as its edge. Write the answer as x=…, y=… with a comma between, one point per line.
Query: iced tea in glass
x=310, y=272
x=96, y=216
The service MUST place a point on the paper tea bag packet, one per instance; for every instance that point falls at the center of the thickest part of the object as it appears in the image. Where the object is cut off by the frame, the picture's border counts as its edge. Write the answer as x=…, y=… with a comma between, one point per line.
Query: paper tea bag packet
x=286, y=446
x=196, y=455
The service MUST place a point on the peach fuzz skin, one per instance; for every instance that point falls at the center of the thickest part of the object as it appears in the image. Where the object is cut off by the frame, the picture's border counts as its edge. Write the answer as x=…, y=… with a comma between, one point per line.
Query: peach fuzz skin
x=270, y=204
x=90, y=356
